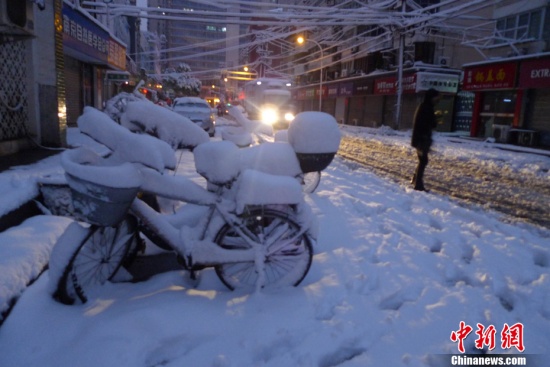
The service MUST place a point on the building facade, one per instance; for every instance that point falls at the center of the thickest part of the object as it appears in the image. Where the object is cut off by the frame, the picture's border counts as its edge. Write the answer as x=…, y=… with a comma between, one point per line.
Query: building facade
x=32, y=96
x=491, y=66
x=512, y=86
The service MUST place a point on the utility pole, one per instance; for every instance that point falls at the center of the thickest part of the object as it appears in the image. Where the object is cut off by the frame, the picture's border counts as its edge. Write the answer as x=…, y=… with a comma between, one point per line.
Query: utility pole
x=401, y=50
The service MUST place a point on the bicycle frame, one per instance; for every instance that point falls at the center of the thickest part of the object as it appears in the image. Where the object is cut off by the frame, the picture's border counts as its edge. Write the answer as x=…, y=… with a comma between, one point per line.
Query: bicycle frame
x=202, y=252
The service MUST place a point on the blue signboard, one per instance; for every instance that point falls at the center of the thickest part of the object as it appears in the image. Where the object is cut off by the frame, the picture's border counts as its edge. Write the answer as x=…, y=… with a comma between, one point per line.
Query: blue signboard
x=87, y=38
x=83, y=35
x=346, y=89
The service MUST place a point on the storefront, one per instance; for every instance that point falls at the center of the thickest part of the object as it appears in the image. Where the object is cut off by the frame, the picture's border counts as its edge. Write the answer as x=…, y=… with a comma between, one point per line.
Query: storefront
x=90, y=51
x=512, y=100
x=413, y=86
x=534, y=82
x=371, y=100
x=496, y=98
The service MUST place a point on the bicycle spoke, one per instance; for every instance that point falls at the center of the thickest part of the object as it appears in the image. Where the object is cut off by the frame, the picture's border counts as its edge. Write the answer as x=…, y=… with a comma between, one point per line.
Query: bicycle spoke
x=288, y=252
x=96, y=260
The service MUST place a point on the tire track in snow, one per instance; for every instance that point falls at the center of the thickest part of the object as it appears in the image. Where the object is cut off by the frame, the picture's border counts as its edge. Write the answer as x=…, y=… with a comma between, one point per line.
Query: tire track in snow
x=523, y=197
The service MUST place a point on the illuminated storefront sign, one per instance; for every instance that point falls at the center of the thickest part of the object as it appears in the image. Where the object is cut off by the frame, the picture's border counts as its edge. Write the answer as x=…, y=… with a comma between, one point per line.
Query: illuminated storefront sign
x=495, y=76
x=446, y=83
x=89, y=41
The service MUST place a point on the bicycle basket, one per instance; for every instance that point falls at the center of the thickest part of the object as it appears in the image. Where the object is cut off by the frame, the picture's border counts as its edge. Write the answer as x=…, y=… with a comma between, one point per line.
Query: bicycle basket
x=99, y=204
x=102, y=194
x=56, y=196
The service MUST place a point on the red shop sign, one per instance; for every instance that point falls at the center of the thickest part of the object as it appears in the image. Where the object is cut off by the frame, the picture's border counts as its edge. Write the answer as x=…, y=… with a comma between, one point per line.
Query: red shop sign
x=535, y=74
x=389, y=85
x=497, y=76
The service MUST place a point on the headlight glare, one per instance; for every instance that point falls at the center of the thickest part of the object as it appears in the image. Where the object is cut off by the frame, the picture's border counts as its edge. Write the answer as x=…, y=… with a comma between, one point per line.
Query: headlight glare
x=269, y=116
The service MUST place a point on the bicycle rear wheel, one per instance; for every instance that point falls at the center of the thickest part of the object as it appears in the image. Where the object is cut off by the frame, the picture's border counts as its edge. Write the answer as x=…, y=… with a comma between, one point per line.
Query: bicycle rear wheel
x=288, y=251
x=100, y=254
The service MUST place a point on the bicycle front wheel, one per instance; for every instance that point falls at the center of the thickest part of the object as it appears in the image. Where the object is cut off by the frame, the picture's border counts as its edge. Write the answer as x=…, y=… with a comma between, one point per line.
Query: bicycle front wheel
x=96, y=260
x=310, y=181
x=288, y=252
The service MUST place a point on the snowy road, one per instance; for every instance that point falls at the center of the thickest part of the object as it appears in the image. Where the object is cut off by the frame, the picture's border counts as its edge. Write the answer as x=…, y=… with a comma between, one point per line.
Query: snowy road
x=394, y=274
x=523, y=196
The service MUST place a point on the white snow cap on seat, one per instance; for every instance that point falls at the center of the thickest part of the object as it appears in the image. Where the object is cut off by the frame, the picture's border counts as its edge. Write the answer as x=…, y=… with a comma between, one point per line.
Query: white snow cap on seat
x=314, y=132
x=217, y=161
x=274, y=158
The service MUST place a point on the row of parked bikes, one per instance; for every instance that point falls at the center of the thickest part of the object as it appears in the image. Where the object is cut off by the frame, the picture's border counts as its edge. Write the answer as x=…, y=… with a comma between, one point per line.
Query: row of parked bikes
x=249, y=221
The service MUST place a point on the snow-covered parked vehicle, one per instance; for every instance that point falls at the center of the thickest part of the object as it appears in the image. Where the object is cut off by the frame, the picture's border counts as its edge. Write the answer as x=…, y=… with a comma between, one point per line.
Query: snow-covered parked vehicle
x=197, y=110
x=253, y=226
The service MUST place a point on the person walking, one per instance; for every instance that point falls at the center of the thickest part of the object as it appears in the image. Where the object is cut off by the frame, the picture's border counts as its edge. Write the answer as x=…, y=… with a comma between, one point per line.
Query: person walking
x=423, y=124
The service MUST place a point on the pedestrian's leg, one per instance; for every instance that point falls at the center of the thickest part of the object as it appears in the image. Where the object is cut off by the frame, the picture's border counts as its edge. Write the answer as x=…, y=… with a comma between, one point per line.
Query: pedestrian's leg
x=419, y=174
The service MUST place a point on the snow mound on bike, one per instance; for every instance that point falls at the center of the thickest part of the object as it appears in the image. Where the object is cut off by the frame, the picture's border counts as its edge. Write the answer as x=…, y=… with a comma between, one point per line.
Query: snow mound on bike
x=88, y=166
x=217, y=161
x=167, y=125
x=275, y=158
x=126, y=146
x=260, y=188
x=314, y=132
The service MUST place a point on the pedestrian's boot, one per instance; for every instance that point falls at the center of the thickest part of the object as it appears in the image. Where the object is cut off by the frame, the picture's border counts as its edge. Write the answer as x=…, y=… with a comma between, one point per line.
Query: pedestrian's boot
x=419, y=187
x=418, y=183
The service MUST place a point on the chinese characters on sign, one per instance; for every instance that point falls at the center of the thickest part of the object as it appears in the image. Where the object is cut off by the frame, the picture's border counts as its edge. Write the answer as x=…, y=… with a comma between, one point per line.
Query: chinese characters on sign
x=86, y=37
x=389, y=85
x=510, y=336
x=498, y=76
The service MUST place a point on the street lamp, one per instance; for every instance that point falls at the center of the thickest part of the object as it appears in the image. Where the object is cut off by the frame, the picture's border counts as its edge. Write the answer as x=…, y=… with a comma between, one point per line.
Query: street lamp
x=301, y=40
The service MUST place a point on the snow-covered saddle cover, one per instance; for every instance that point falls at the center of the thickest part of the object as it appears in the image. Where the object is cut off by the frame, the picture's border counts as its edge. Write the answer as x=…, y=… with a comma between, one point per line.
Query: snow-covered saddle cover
x=315, y=137
x=314, y=132
x=256, y=188
x=217, y=161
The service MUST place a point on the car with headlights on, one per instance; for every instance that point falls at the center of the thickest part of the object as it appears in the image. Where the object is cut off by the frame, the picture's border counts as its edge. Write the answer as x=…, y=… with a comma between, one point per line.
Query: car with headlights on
x=197, y=110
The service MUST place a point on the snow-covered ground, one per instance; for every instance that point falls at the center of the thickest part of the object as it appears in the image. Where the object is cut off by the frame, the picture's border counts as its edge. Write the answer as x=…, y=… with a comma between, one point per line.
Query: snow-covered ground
x=395, y=273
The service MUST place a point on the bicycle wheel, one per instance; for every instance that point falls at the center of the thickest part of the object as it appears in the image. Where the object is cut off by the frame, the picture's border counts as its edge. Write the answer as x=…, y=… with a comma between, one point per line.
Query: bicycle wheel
x=310, y=181
x=288, y=253
x=96, y=260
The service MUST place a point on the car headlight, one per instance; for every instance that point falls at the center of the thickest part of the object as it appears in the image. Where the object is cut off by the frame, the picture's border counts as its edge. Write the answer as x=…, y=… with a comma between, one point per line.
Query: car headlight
x=269, y=116
x=289, y=116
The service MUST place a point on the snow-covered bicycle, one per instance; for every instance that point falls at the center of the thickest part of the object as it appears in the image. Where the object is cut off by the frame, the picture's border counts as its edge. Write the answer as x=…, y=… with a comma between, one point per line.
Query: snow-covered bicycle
x=252, y=226
x=314, y=136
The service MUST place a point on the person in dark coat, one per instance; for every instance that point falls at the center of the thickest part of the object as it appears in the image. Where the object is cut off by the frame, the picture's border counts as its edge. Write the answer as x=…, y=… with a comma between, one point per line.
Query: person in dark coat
x=424, y=122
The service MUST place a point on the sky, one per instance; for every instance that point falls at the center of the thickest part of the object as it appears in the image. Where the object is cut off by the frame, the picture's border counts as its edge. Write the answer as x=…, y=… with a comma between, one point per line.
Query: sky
x=396, y=273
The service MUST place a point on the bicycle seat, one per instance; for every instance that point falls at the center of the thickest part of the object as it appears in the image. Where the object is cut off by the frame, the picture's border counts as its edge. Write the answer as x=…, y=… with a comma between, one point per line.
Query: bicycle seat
x=217, y=161
x=274, y=158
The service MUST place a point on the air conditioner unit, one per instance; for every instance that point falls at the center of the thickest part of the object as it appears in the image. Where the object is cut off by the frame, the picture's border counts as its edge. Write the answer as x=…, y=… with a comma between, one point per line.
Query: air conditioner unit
x=443, y=60
x=16, y=18
x=528, y=138
x=500, y=133
x=344, y=73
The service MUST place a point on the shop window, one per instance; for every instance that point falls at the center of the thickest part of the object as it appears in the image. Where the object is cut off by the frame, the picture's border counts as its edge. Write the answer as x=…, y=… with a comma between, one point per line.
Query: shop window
x=497, y=114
